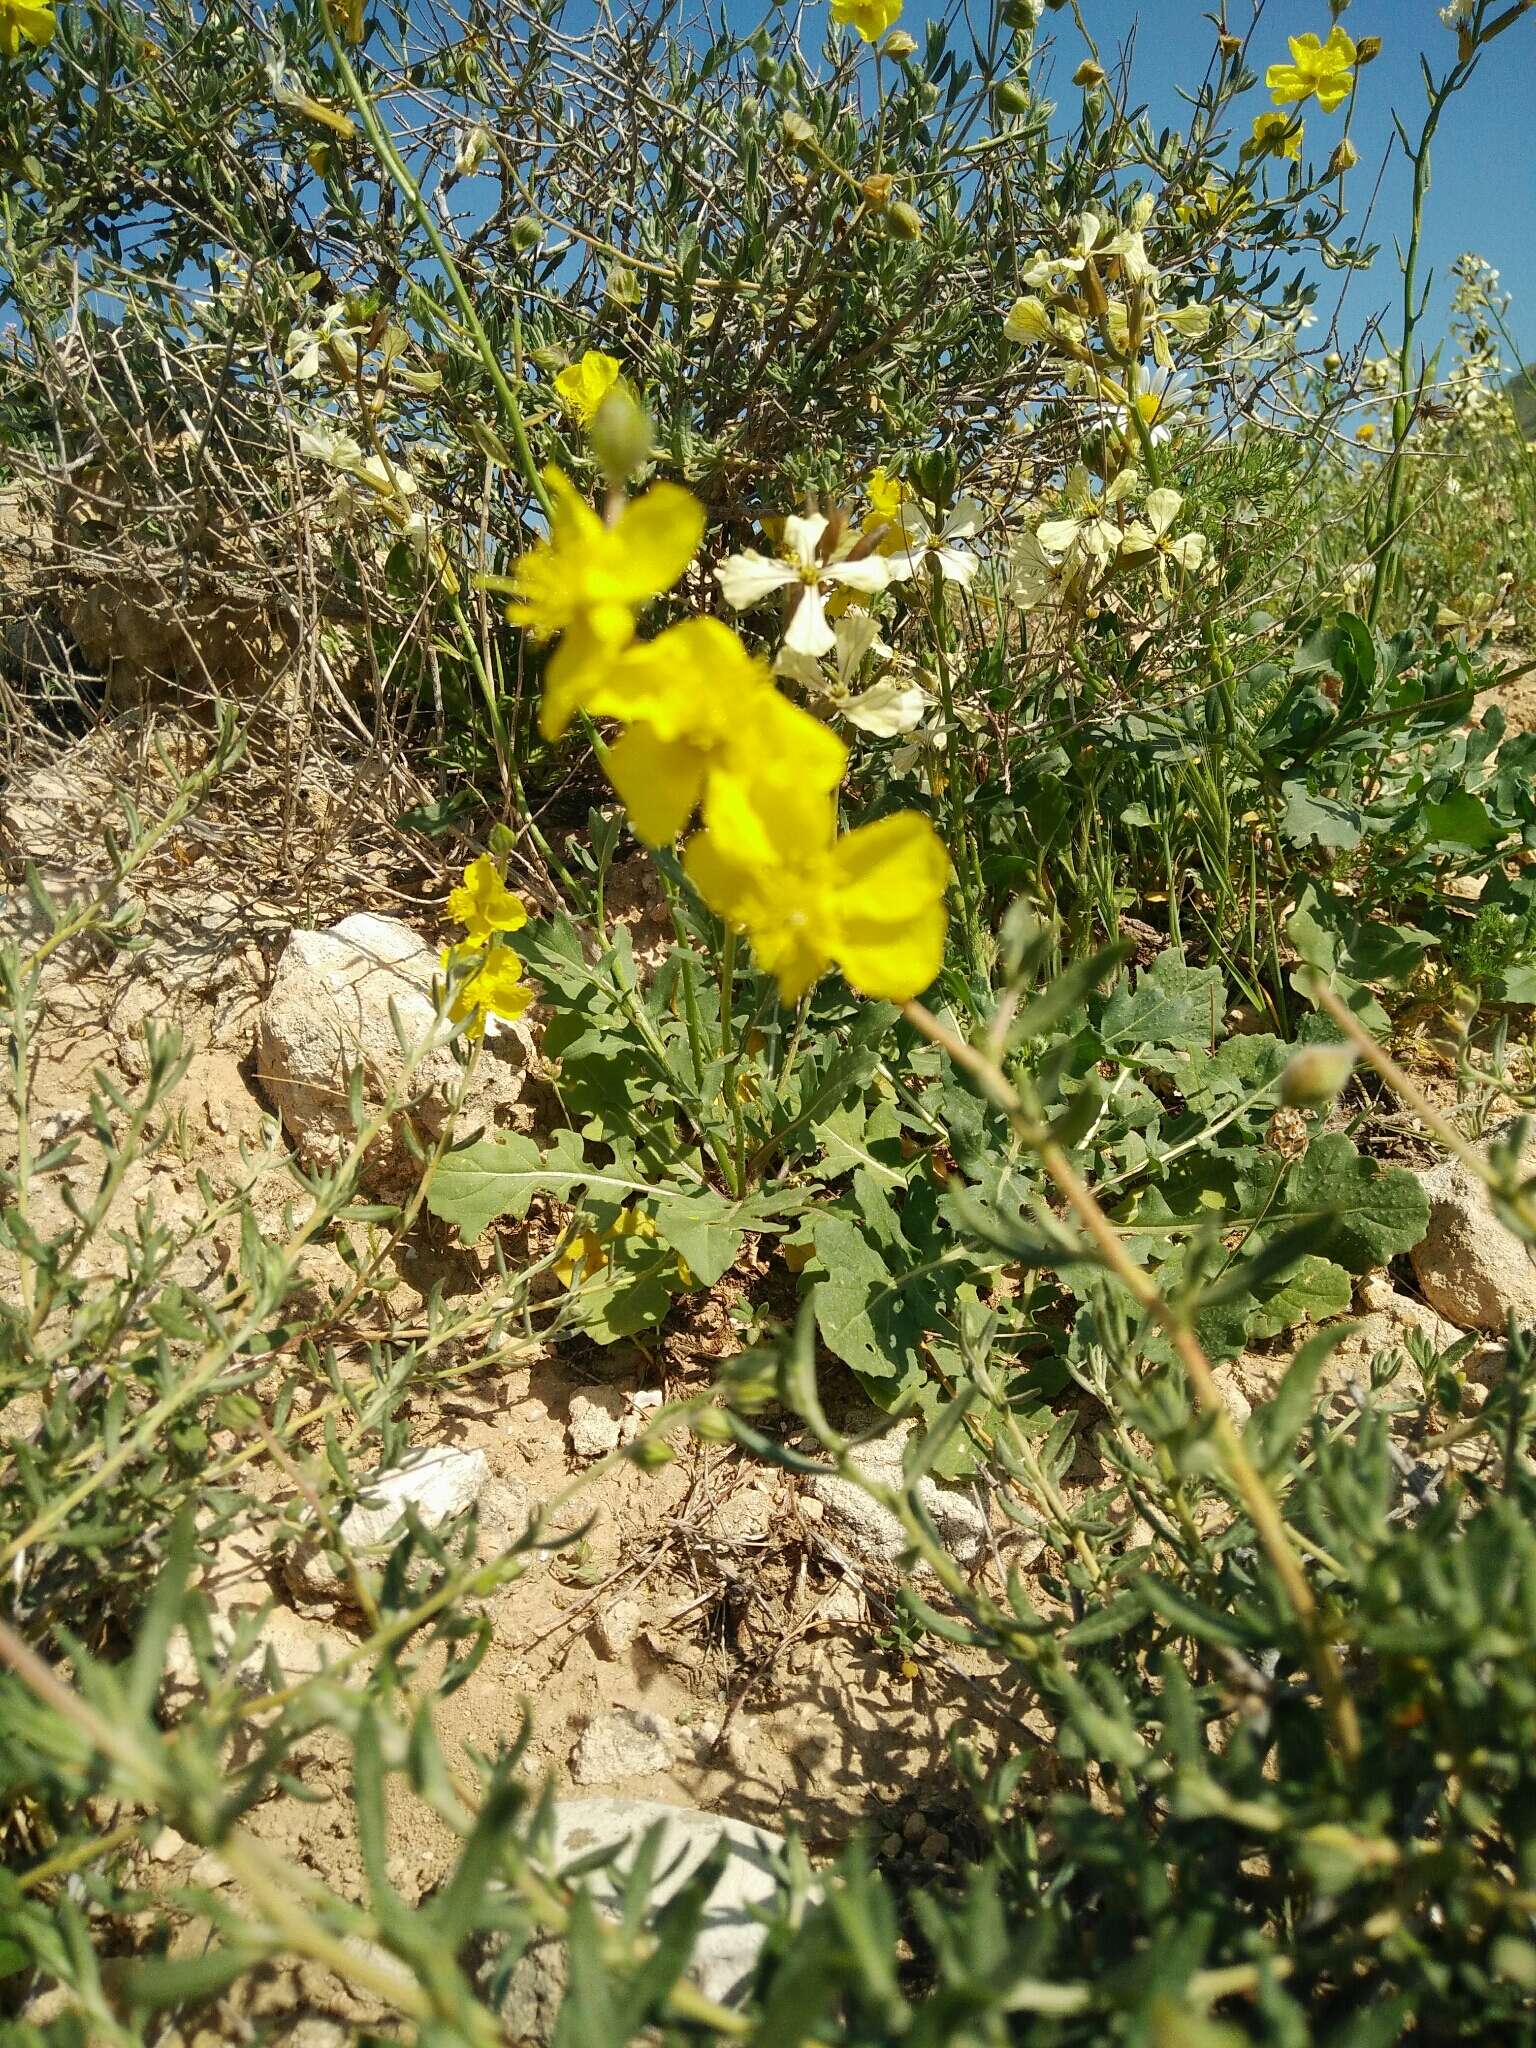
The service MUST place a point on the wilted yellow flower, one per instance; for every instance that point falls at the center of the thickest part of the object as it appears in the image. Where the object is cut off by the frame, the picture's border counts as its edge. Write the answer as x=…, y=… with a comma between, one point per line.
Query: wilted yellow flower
x=1277, y=135
x=24, y=19
x=582, y=387
x=588, y=580
x=494, y=987
x=699, y=708
x=1326, y=69
x=870, y=902
x=870, y=17
x=483, y=903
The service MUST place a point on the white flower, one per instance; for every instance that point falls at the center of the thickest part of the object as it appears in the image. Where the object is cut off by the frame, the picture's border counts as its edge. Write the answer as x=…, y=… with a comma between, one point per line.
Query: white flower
x=1151, y=539
x=1086, y=541
x=471, y=148
x=305, y=345
x=339, y=451
x=1097, y=243
x=1161, y=402
x=893, y=704
x=746, y=579
x=1034, y=580
x=925, y=543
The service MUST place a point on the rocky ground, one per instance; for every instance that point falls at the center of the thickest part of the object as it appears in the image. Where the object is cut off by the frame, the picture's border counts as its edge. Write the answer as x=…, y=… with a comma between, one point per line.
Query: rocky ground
x=722, y=1636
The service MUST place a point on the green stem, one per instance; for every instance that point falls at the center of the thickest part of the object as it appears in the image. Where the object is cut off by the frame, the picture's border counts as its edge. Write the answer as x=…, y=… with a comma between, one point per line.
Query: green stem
x=410, y=191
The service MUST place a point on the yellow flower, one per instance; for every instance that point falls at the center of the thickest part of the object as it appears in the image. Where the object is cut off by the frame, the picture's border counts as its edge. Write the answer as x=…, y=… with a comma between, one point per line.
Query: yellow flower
x=698, y=708
x=886, y=495
x=870, y=903
x=495, y=986
x=484, y=904
x=1327, y=69
x=870, y=17
x=588, y=580
x=1277, y=135
x=582, y=387
x=25, y=19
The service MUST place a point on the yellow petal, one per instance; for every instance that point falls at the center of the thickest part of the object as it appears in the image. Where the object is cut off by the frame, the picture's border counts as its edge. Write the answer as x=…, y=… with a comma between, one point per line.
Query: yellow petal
x=656, y=537
x=891, y=878
x=659, y=780
x=579, y=665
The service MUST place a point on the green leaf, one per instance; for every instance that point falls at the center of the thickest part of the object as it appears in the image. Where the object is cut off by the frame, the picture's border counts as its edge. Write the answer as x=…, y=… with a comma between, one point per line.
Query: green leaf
x=1172, y=1005
x=1459, y=823
x=865, y=1316
x=1320, y=820
x=847, y=1140
x=705, y=1229
x=500, y=1177
x=1315, y=1289
x=1377, y=1212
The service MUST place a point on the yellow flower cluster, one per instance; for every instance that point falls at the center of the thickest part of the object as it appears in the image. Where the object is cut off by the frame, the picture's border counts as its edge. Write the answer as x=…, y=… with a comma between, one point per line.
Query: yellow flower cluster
x=492, y=974
x=705, y=729
x=1319, y=70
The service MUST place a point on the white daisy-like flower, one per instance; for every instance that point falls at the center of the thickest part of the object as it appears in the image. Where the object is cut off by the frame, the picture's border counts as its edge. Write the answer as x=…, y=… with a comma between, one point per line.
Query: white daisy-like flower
x=749, y=578
x=925, y=544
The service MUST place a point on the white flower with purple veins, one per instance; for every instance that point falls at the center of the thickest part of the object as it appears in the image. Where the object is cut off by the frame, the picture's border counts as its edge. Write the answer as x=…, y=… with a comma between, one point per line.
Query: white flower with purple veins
x=749, y=578
x=924, y=544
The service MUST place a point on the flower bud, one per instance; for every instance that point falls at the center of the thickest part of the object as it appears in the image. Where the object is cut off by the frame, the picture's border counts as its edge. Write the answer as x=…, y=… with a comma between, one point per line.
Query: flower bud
x=1088, y=73
x=877, y=190
x=623, y=286
x=899, y=44
x=525, y=232
x=711, y=1426
x=1367, y=50
x=621, y=435
x=1344, y=158
x=796, y=128
x=1314, y=1076
x=906, y=222
x=649, y=1453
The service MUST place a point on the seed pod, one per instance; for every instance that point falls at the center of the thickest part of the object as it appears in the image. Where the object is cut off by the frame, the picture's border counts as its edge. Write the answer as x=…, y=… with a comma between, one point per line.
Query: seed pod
x=525, y=233
x=1012, y=98
x=1344, y=158
x=906, y=222
x=1367, y=49
x=899, y=44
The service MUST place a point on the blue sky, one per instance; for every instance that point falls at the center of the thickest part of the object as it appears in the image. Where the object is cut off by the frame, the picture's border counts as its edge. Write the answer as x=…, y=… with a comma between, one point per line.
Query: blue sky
x=1484, y=192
